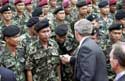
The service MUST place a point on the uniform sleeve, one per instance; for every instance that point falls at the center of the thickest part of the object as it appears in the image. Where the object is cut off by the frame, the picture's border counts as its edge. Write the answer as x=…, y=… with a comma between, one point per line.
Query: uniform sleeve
x=29, y=58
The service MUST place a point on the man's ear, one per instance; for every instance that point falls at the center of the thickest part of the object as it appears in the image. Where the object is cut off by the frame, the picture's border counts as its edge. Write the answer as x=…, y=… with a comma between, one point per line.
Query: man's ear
x=116, y=62
x=6, y=39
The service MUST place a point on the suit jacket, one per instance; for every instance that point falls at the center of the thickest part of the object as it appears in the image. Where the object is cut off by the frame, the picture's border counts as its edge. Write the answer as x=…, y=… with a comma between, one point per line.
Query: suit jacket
x=6, y=75
x=90, y=62
x=122, y=78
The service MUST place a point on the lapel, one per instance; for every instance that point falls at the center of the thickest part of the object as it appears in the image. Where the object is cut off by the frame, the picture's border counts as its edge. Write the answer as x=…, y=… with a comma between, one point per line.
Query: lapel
x=76, y=53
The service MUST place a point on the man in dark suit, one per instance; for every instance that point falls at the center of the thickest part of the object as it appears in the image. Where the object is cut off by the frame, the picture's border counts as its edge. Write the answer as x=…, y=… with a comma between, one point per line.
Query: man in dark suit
x=6, y=75
x=117, y=60
x=89, y=60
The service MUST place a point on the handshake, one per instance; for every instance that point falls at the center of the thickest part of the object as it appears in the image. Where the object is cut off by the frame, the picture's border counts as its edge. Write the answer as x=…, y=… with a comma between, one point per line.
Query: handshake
x=65, y=58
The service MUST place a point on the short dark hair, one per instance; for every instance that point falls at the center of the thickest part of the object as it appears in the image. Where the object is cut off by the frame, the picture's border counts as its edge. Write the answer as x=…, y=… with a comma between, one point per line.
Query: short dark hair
x=119, y=53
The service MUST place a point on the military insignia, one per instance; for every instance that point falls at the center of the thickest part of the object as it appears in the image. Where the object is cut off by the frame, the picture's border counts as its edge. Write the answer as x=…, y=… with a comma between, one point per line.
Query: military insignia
x=8, y=8
x=93, y=16
x=121, y=26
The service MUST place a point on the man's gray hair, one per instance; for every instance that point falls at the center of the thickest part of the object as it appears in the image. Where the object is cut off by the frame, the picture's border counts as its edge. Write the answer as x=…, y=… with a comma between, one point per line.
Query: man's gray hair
x=119, y=52
x=83, y=27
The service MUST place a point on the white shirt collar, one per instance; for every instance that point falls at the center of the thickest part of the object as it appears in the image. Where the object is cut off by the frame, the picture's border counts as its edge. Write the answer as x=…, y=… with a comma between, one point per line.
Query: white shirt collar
x=83, y=39
x=119, y=75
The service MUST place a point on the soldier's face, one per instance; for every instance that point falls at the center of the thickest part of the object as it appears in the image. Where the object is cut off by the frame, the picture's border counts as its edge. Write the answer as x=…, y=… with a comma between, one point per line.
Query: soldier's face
x=12, y=41
x=95, y=23
x=83, y=10
x=60, y=15
x=116, y=35
x=68, y=9
x=45, y=9
x=7, y=15
x=29, y=7
x=60, y=39
x=44, y=34
x=113, y=61
x=89, y=9
x=20, y=7
x=105, y=10
x=73, y=1
x=53, y=3
x=113, y=8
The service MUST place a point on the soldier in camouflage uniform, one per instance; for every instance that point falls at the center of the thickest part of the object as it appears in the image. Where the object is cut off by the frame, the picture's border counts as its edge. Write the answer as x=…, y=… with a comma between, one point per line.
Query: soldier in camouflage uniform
x=79, y=13
x=45, y=8
x=20, y=17
x=67, y=8
x=104, y=19
x=52, y=5
x=120, y=18
x=43, y=58
x=82, y=10
x=70, y=14
x=59, y=14
x=6, y=14
x=67, y=45
x=29, y=7
x=12, y=55
x=113, y=8
x=31, y=35
x=115, y=35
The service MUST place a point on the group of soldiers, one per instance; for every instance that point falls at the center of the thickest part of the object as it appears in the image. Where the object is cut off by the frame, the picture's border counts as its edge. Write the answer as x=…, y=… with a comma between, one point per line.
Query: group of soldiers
x=34, y=35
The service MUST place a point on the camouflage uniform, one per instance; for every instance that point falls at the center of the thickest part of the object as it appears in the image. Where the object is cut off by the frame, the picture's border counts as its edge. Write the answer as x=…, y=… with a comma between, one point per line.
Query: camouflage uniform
x=28, y=14
x=26, y=39
x=67, y=48
x=43, y=62
x=71, y=19
x=104, y=25
x=22, y=23
x=14, y=63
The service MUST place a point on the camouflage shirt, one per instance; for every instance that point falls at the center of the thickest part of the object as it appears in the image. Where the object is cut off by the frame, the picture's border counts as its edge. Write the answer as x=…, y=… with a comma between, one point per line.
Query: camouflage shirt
x=43, y=62
x=22, y=22
x=67, y=47
x=104, y=25
x=14, y=63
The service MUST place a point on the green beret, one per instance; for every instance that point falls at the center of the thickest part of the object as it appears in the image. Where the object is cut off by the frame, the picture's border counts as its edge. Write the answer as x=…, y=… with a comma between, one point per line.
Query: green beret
x=92, y=17
x=5, y=8
x=10, y=31
x=58, y=9
x=61, y=30
x=32, y=21
x=41, y=25
x=81, y=4
x=120, y=14
x=37, y=12
x=103, y=4
x=115, y=26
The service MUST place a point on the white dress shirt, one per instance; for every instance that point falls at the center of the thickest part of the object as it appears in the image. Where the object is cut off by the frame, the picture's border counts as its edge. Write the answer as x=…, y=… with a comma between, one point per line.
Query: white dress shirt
x=119, y=75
